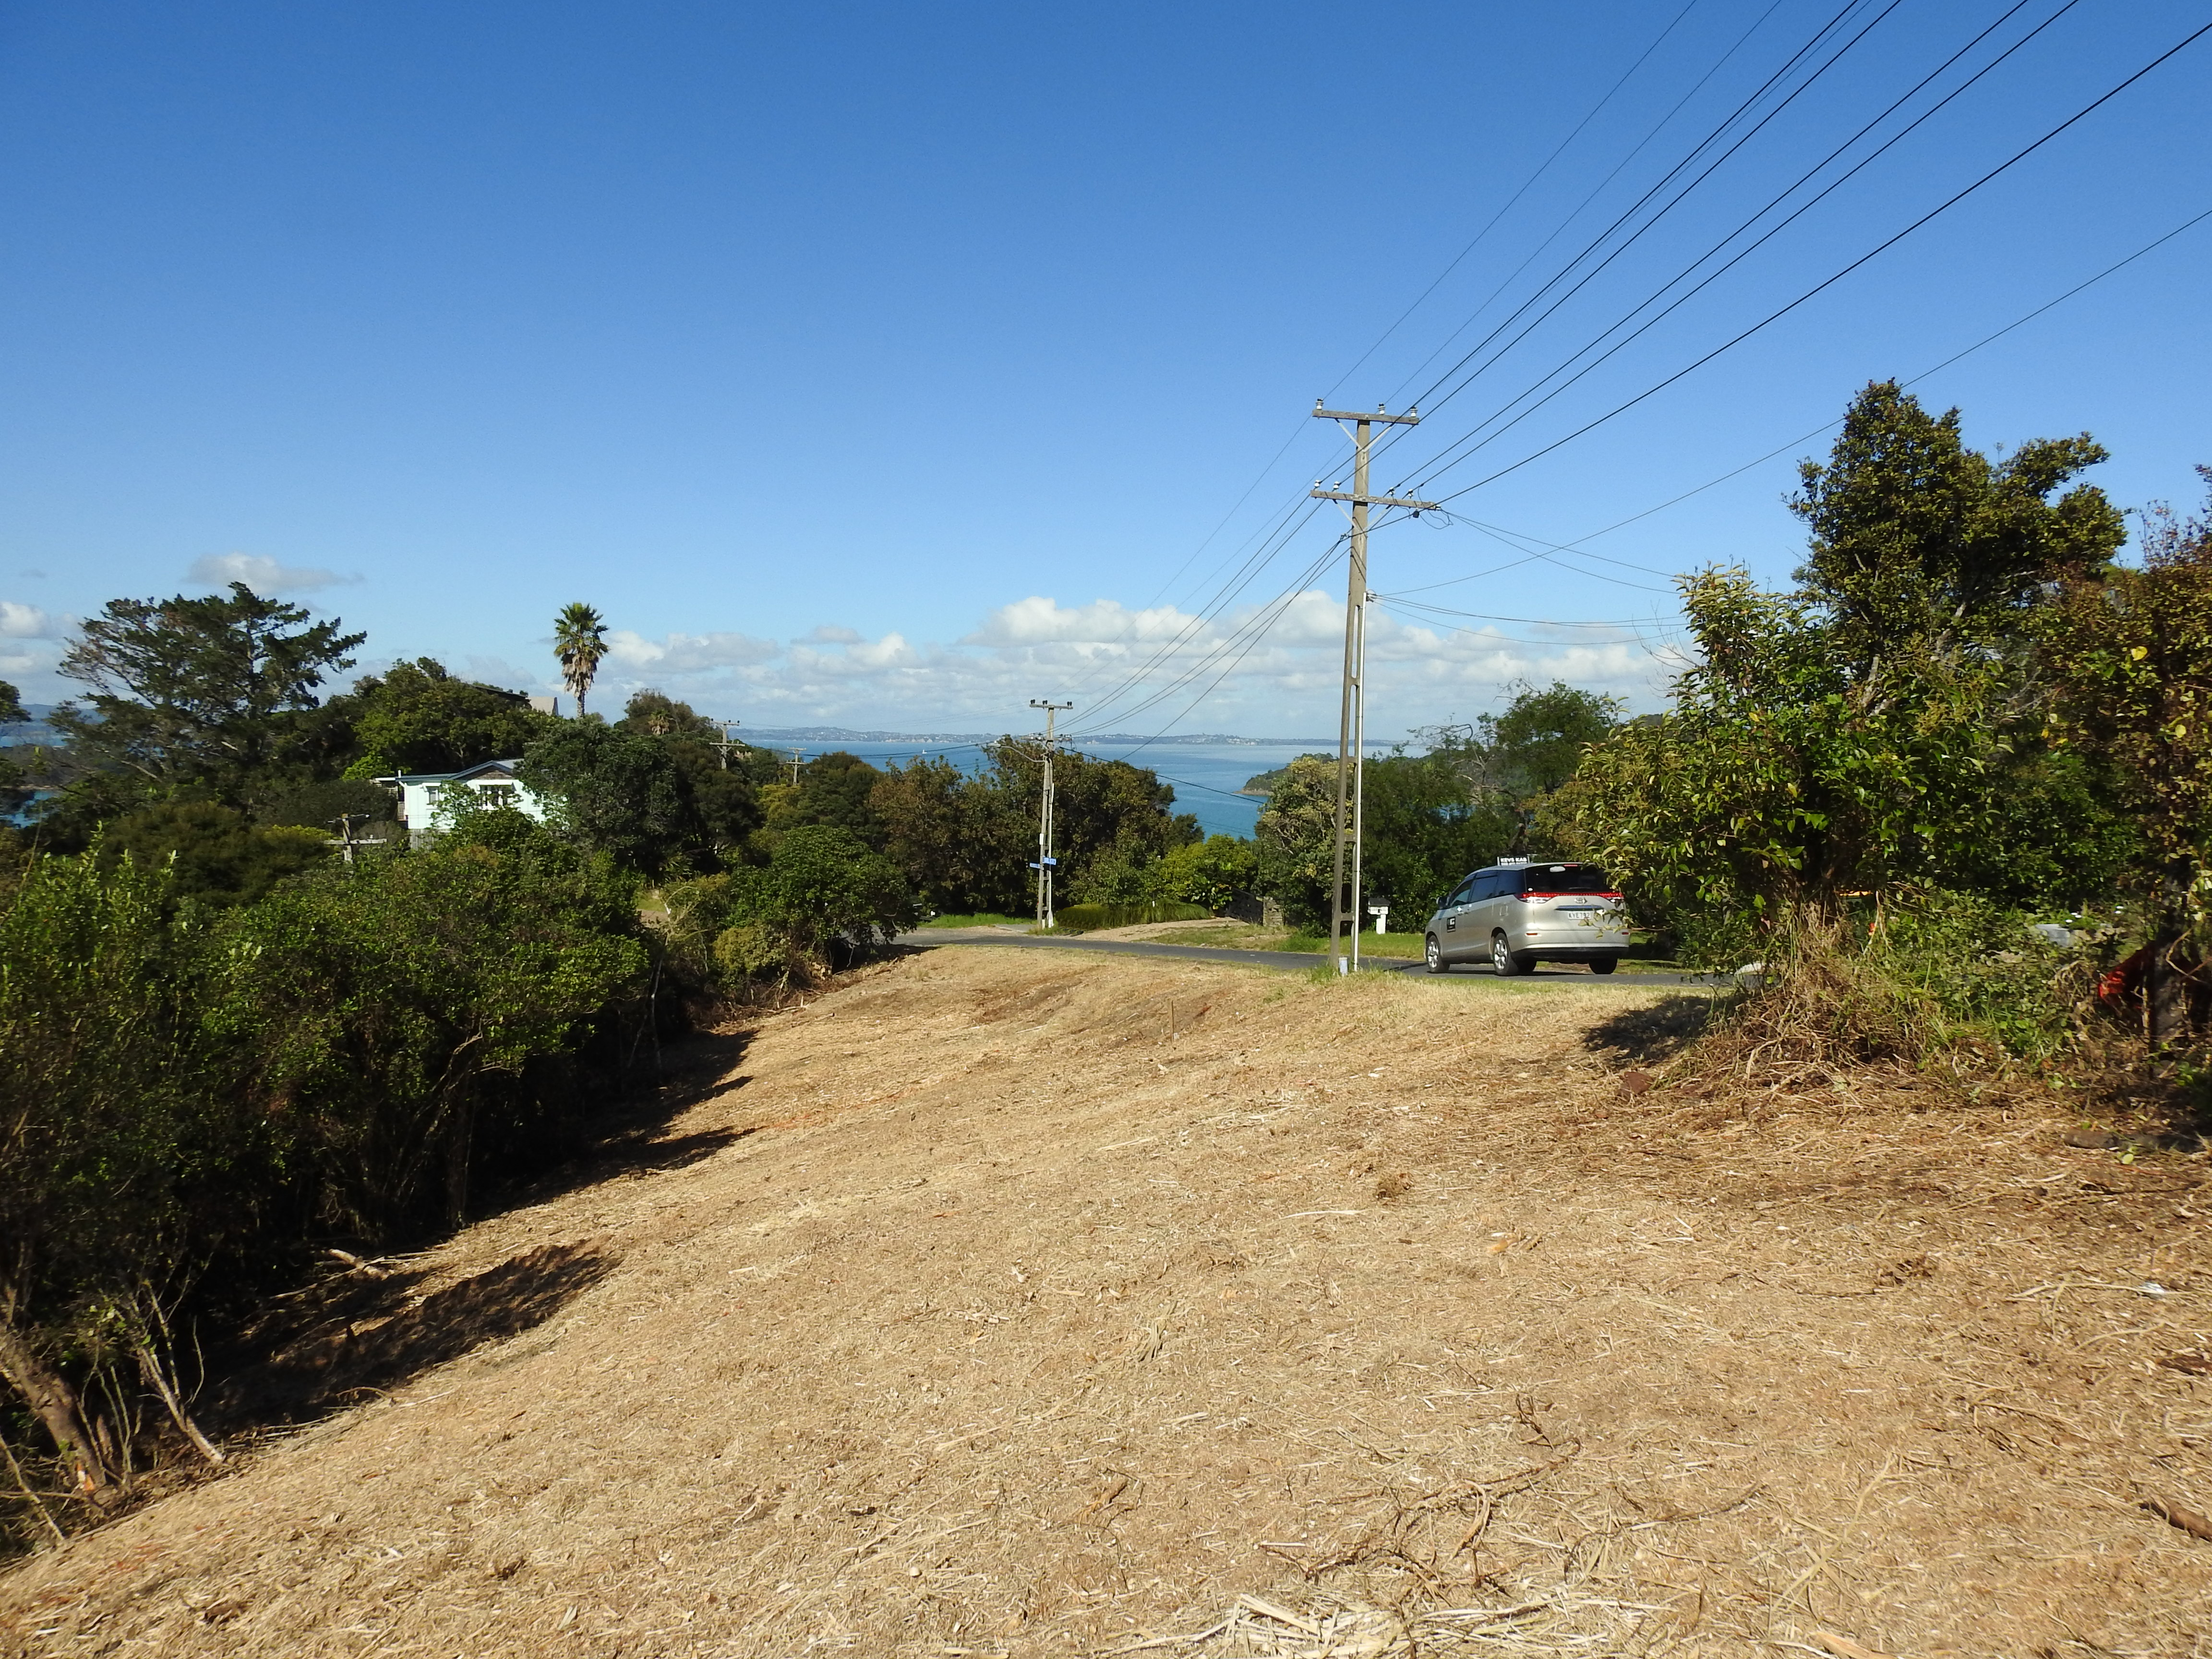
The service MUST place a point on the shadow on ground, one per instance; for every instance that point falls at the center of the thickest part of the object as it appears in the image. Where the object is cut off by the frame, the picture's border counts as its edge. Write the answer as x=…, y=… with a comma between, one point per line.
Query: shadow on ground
x=366, y=1329
x=1644, y=1036
x=366, y=1332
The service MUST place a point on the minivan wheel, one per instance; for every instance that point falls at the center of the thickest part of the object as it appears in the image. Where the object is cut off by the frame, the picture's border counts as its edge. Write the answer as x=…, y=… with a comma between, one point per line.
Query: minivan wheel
x=1506, y=960
x=1605, y=964
x=1436, y=956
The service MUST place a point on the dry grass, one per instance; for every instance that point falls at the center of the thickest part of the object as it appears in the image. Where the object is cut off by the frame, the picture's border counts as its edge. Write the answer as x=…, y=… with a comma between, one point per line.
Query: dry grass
x=1003, y=1322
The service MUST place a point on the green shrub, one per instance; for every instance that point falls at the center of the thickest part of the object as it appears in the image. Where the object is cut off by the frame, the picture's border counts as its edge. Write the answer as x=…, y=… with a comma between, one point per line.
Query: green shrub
x=1934, y=981
x=216, y=855
x=1088, y=918
x=110, y=1130
x=370, y=1009
x=822, y=892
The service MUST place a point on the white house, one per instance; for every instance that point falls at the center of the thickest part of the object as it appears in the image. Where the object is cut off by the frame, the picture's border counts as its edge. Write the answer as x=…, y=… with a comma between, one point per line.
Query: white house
x=492, y=781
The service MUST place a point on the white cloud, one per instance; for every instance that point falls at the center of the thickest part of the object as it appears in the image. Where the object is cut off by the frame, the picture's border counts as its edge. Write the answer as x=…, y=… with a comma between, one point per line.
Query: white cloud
x=262, y=575
x=680, y=654
x=1039, y=620
x=1212, y=674
x=24, y=621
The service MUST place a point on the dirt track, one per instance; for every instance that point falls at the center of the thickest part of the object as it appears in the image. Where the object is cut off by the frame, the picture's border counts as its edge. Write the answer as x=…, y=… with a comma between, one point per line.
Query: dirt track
x=979, y=1313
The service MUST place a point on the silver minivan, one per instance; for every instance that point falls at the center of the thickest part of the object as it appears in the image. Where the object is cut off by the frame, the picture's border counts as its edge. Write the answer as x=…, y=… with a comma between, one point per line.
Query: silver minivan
x=1519, y=912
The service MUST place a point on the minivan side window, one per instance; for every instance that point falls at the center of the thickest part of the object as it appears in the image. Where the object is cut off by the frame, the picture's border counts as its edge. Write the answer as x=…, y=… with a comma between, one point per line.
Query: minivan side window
x=1488, y=885
x=1459, y=894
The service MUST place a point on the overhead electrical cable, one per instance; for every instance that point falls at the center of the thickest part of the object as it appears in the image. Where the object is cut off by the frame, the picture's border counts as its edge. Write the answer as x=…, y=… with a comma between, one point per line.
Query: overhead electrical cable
x=1828, y=283
x=1576, y=546
x=1466, y=377
x=1248, y=633
x=1428, y=395
x=1439, y=464
x=1527, y=185
x=1583, y=206
x=1195, y=628
x=1833, y=23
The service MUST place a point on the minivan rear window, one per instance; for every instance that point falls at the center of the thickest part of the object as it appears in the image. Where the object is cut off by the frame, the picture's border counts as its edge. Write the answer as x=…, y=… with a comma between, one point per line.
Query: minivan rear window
x=1563, y=879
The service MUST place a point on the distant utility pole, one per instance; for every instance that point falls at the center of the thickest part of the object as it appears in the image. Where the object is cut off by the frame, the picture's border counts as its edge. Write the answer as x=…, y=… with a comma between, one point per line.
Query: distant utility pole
x=346, y=839
x=798, y=759
x=728, y=743
x=1352, y=726
x=1045, y=860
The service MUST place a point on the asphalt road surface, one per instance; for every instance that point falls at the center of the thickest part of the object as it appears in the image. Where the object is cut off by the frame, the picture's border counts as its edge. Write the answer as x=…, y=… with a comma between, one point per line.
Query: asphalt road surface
x=1292, y=961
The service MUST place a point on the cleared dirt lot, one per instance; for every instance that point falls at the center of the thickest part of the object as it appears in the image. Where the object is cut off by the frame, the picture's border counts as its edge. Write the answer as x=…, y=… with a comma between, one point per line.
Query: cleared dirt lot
x=1036, y=1303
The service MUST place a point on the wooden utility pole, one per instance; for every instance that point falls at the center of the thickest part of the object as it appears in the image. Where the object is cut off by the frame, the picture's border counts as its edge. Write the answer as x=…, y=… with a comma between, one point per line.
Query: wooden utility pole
x=1351, y=724
x=346, y=839
x=1044, y=863
x=728, y=743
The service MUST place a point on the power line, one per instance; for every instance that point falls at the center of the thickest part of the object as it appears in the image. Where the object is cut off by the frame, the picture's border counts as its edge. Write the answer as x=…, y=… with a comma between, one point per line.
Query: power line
x=1527, y=185
x=2018, y=322
x=1580, y=551
x=1830, y=281
x=1848, y=9
x=1437, y=465
x=1834, y=23
x=1398, y=392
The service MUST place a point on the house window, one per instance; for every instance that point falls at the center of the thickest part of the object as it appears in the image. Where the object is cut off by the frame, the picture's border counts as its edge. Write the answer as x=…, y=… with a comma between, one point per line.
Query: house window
x=498, y=794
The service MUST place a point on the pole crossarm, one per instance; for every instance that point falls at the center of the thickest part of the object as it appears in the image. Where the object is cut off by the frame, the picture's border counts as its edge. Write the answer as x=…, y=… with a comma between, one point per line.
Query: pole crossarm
x=1375, y=500
x=1376, y=416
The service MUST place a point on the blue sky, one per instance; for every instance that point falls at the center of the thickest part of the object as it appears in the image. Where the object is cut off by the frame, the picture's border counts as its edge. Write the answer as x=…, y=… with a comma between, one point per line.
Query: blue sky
x=890, y=366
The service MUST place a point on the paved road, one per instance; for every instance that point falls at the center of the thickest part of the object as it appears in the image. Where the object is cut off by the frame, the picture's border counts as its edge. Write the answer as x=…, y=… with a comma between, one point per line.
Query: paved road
x=1292, y=961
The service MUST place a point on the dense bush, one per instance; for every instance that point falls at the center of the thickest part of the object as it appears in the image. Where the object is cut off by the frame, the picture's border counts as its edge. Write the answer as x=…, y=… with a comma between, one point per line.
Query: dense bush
x=216, y=855
x=113, y=1131
x=368, y=1008
x=821, y=896
x=1424, y=830
x=1088, y=918
x=183, y=1084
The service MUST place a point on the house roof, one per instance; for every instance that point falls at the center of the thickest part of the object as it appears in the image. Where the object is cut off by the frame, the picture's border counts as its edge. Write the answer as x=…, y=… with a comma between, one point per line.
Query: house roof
x=504, y=769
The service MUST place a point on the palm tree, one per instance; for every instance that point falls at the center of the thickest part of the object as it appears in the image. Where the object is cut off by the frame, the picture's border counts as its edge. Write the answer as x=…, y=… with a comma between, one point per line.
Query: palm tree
x=579, y=639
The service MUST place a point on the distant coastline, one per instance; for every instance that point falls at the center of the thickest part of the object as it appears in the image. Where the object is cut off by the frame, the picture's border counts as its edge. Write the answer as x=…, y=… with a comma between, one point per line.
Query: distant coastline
x=1118, y=740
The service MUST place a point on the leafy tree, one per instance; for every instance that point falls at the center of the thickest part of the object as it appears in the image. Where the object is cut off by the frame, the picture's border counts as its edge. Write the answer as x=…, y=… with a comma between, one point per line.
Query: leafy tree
x=1422, y=834
x=1104, y=812
x=108, y=1122
x=320, y=806
x=824, y=884
x=725, y=779
x=197, y=691
x=372, y=1007
x=1217, y=872
x=962, y=842
x=615, y=793
x=655, y=715
x=1880, y=725
x=12, y=711
x=1294, y=858
x=213, y=852
x=2130, y=652
x=579, y=640
x=824, y=891
x=417, y=717
x=1914, y=538
x=835, y=789
x=1514, y=759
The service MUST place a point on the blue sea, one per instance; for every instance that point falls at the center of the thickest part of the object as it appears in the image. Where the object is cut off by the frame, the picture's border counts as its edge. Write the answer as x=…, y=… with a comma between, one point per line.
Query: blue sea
x=1205, y=774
